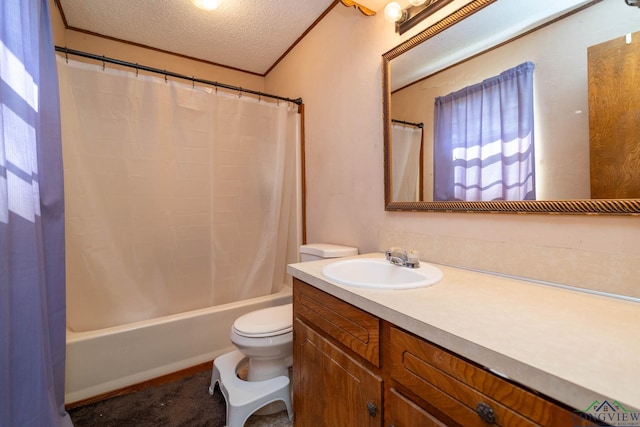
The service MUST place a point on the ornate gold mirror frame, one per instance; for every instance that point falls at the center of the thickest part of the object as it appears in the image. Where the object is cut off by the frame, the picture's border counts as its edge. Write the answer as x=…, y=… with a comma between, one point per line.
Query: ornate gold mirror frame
x=577, y=206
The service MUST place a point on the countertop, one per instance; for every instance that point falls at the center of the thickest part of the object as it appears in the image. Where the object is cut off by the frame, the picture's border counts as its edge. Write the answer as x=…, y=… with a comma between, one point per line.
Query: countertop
x=572, y=346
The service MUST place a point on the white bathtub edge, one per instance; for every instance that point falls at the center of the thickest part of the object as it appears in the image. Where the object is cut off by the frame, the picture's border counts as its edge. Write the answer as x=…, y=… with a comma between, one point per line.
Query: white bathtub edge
x=138, y=378
x=108, y=360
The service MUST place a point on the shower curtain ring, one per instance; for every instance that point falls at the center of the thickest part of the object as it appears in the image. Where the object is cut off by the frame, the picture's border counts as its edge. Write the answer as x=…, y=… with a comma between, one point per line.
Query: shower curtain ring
x=103, y=63
x=66, y=54
x=137, y=69
x=193, y=81
x=240, y=92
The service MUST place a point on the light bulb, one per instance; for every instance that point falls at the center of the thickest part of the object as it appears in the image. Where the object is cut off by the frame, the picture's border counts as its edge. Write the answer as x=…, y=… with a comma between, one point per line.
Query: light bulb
x=417, y=2
x=207, y=4
x=393, y=12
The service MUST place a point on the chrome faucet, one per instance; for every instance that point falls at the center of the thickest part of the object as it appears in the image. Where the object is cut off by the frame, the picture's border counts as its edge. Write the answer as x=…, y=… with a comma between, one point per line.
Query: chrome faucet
x=400, y=257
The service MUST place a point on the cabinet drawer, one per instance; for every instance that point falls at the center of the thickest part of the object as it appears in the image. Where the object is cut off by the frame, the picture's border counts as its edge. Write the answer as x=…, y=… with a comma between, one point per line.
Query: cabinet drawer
x=346, y=324
x=456, y=387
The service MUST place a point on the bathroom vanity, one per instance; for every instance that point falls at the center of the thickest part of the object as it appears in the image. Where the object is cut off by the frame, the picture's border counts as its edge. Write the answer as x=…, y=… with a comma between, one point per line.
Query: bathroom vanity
x=472, y=350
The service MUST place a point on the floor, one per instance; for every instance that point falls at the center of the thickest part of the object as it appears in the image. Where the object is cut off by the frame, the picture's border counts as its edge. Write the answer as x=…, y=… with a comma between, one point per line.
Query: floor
x=183, y=402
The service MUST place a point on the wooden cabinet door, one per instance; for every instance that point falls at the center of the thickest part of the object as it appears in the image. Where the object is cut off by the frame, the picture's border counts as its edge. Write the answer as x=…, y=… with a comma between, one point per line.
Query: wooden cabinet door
x=399, y=411
x=330, y=388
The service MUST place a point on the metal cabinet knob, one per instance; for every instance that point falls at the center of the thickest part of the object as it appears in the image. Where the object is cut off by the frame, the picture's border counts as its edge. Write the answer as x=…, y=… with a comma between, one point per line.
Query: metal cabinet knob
x=372, y=408
x=485, y=412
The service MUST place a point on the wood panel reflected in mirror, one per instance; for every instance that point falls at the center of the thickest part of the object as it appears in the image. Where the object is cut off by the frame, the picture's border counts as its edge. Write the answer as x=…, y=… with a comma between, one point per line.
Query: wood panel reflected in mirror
x=484, y=38
x=614, y=118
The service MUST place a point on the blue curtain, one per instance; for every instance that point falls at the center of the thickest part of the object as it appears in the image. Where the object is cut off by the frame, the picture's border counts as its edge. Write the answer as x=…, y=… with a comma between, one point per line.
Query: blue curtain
x=483, y=140
x=32, y=260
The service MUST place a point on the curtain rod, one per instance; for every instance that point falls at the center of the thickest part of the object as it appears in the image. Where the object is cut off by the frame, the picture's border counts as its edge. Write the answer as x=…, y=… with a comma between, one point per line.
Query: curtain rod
x=166, y=73
x=418, y=125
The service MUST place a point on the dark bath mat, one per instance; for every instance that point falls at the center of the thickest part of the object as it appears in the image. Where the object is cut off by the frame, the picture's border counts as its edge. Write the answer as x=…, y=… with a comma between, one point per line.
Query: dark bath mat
x=185, y=402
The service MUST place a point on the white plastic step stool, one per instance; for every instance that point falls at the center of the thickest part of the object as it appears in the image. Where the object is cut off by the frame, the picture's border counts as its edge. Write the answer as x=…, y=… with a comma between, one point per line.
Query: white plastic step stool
x=243, y=398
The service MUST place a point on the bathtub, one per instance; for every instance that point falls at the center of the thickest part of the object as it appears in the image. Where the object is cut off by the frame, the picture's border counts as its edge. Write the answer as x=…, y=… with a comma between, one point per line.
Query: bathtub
x=112, y=358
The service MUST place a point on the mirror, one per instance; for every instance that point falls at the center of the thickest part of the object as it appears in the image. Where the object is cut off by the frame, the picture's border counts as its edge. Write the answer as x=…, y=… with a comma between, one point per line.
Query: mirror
x=483, y=38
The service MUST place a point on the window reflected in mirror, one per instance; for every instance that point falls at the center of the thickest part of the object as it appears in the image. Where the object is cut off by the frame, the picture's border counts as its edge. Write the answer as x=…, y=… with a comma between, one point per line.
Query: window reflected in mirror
x=483, y=140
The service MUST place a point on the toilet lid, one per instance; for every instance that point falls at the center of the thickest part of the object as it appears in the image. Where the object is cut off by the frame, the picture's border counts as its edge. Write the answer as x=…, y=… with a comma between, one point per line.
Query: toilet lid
x=266, y=322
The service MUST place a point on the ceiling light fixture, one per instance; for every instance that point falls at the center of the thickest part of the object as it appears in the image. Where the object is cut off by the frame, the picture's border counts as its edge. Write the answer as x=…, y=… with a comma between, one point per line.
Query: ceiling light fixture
x=412, y=15
x=393, y=12
x=207, y=4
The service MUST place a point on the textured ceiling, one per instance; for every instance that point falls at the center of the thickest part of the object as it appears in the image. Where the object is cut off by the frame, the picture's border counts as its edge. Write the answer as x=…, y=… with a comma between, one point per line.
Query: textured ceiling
x=250, y=35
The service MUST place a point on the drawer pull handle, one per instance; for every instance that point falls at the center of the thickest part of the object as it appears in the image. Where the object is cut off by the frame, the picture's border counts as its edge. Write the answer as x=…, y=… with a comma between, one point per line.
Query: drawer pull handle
x=485, y=412
x=372, y=408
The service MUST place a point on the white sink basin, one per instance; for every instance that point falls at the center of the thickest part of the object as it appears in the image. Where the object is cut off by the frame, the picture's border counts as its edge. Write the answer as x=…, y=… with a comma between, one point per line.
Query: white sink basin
x=378, y=273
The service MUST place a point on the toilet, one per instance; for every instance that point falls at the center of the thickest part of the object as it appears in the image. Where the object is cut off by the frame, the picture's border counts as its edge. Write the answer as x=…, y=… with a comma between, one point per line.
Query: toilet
x=264, y=338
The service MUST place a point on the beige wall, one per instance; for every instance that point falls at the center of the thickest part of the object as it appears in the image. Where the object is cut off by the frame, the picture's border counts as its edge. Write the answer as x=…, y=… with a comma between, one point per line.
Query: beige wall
x=336, y=69
x=56, y=24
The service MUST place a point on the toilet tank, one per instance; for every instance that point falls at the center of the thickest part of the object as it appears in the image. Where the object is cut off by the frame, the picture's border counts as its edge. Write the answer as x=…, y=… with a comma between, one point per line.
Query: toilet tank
x=316, y=251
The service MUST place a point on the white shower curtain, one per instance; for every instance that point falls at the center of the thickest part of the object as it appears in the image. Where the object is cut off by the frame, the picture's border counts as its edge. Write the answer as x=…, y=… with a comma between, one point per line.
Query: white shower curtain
x=177, y=197
x=406, y=142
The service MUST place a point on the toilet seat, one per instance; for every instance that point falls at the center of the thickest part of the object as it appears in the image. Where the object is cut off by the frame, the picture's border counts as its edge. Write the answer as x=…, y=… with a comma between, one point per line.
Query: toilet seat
x=267, y=322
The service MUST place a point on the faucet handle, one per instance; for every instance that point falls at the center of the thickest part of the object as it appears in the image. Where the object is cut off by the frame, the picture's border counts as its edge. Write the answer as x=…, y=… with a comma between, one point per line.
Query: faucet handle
x=395, y=252
x=413, y=259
